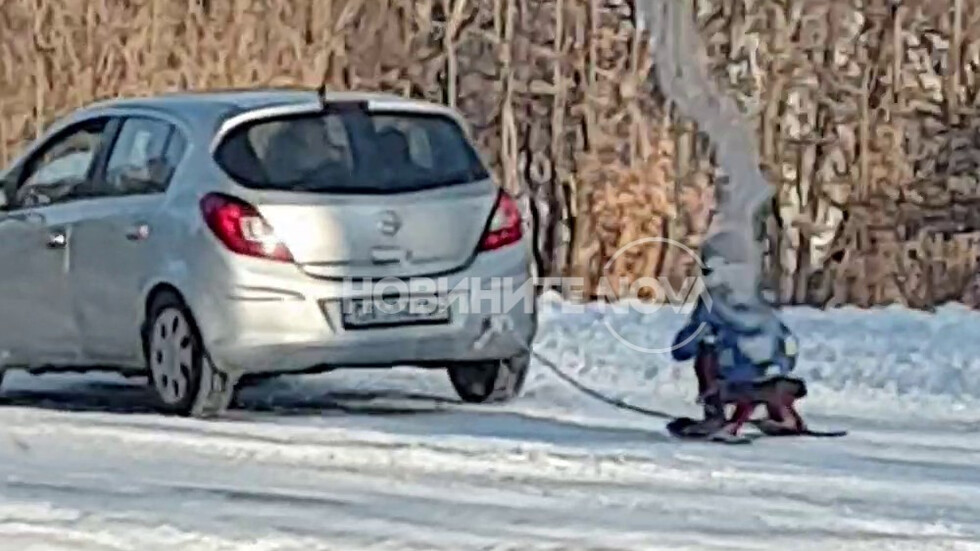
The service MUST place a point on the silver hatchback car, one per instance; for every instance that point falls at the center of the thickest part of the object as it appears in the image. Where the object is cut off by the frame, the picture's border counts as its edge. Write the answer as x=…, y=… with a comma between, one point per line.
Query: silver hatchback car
x=201, y=238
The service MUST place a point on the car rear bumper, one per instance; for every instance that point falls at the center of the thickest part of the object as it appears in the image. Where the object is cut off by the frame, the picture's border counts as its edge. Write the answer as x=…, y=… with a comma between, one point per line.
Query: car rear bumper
x=425, y=345
x=283, y=330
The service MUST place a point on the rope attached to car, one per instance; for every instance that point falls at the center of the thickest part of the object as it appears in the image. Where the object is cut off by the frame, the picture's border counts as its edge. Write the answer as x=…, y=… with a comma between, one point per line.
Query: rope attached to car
x=504, y=327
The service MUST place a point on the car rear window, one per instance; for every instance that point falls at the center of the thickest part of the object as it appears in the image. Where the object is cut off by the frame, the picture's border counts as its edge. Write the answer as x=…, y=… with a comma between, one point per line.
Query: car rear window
x=350, y=151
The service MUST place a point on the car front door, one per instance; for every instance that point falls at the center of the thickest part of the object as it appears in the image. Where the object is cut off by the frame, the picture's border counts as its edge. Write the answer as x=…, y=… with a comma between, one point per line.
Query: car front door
x=112, y=247
x=37, y=325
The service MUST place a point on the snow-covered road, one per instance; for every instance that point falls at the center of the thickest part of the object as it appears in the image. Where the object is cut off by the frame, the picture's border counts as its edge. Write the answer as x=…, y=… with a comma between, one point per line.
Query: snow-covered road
x=388, y=460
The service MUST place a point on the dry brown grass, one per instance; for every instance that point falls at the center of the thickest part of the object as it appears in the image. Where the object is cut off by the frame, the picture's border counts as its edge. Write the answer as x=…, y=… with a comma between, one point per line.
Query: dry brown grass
x=866, y=116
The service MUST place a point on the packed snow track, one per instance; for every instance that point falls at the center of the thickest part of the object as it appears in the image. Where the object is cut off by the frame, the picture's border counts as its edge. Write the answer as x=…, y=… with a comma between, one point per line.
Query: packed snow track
x=387, y=460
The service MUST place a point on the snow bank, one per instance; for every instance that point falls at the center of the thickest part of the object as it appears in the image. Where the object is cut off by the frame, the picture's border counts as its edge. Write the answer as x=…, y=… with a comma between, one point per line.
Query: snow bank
x=858, y=362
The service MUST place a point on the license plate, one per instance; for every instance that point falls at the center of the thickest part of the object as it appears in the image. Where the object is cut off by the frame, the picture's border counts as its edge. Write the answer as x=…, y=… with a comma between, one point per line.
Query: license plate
x=394, y=311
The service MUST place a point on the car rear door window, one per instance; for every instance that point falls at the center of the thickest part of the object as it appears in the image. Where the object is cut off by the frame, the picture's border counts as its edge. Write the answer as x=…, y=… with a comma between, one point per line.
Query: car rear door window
x=350, y=151
x=144, y=157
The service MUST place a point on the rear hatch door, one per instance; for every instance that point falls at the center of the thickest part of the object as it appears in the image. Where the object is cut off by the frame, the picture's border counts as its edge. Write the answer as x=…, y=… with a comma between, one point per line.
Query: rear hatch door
x=361, y=193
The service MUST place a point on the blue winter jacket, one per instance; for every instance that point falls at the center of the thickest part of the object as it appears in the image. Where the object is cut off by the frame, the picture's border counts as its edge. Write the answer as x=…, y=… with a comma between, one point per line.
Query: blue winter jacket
x=745, y=354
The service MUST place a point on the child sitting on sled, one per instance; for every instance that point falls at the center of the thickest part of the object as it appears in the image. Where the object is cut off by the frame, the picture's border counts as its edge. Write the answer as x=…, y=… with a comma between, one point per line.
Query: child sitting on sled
x=743, y=356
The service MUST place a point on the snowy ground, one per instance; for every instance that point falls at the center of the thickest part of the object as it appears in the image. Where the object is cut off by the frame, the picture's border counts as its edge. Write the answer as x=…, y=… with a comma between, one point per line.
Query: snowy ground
x=388, y=460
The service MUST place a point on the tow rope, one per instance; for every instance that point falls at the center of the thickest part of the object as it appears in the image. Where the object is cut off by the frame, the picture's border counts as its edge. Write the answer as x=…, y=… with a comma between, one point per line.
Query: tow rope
x=503, y=326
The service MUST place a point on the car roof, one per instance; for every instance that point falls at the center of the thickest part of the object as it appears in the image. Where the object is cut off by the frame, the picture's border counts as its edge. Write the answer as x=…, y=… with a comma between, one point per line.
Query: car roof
x=223, y=101
x=205, y=111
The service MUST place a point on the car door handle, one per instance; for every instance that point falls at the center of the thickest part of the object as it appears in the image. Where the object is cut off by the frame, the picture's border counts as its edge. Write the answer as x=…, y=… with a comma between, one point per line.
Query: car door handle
x=138, y=232
x=57, y=239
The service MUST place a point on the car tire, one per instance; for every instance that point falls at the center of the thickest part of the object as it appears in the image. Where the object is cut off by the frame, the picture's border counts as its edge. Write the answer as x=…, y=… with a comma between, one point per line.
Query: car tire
x=183, y=375
x=490, y=382
x=174, y=355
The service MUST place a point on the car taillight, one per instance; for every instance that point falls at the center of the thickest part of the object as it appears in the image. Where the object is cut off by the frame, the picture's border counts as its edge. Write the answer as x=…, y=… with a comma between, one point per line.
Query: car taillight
x=504, y=227
x=240, y=227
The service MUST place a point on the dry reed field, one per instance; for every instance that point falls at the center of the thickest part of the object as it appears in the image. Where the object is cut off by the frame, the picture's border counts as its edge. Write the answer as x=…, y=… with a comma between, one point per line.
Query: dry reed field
x=865, y=112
